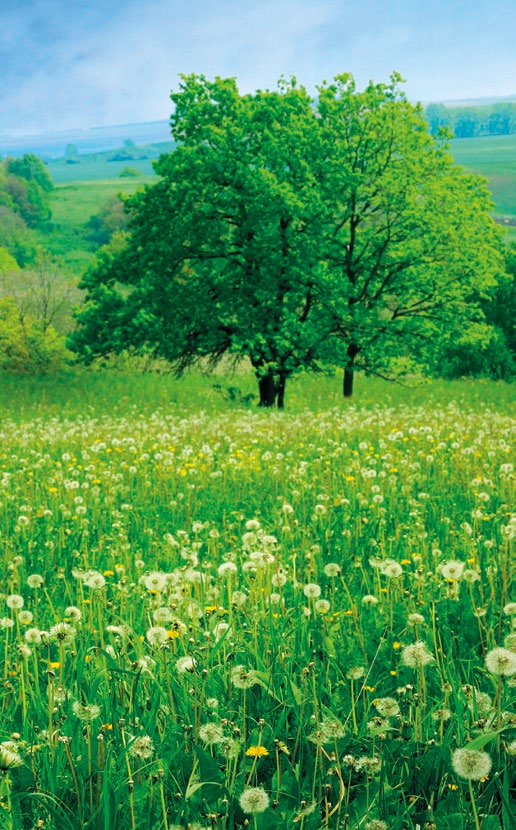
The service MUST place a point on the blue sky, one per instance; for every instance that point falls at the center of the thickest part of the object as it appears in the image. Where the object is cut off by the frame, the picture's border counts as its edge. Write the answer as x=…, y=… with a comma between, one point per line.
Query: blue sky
x=71, y=64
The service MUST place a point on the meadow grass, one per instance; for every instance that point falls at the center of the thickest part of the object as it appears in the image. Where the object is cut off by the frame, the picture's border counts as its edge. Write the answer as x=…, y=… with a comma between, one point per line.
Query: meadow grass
x=216, y=616
x=73, y=204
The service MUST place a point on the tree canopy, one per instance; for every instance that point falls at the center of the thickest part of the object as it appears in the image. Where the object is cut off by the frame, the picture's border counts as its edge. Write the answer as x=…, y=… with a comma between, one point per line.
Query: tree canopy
x=296, y=232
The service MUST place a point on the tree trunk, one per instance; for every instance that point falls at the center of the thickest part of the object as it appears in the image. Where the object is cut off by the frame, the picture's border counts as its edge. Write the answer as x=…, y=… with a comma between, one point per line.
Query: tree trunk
x=267, y=388
x=349, y=371
x=348, y=381
x=280, y=389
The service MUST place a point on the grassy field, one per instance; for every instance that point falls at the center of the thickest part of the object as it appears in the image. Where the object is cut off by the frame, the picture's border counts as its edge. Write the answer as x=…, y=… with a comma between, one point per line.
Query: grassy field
x=96, y=166
x=494, y=158
x=220, y=617
x=73, y=204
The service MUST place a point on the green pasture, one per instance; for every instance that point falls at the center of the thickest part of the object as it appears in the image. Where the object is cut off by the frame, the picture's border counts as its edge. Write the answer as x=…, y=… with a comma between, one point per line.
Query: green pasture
x=73, y=204
x=97, y=166
x=495, y=158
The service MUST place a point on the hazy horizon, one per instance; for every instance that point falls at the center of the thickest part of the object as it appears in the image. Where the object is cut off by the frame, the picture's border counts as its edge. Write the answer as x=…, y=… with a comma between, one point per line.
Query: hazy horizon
x=93, y=64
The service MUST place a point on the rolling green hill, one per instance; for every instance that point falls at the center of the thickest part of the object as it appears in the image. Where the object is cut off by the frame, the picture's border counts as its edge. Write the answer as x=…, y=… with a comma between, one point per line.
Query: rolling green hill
x=495, y=158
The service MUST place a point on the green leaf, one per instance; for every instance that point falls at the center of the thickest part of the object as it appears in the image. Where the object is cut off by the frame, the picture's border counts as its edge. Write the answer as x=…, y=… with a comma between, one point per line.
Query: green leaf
x=482, y=740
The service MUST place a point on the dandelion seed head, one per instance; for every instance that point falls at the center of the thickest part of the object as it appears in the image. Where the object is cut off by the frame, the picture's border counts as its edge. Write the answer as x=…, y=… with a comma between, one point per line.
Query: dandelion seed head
x=185, y=664
x=227, y=569
x=243, y=678
x=15, y=602
x=387, y=706
x=390, y=568
x=9, y=758
x=157, y=635
x=142, y=747
x=33, y=636
x=451, y=569
x=155, y=581
x=312, y=590
x=254, y=800
x=416, y=655
x=35, y=580
x=471, y=764
x=501, y=662
x=332, y=569
x=85, y=711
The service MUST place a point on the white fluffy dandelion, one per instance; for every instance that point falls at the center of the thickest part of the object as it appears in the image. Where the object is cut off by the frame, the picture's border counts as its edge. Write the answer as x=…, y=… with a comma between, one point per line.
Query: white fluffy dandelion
x=15, y=602
x=185, y=664
x=142, y=747
x=157, y=635
x=451, y=569
x=254, y=800
x=472, y=764
x=387, y=707
x=155, y=581
x=312, y=590
x=416, y=655
x=211, y=733
x=243, y=678
x=501, y=661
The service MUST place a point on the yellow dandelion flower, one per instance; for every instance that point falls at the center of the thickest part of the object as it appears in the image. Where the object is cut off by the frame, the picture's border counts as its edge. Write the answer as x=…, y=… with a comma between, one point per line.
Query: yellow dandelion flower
x=256, y=751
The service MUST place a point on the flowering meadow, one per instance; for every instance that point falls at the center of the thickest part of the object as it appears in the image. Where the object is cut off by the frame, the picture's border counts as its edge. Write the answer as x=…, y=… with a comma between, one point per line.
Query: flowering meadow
x=214, y=616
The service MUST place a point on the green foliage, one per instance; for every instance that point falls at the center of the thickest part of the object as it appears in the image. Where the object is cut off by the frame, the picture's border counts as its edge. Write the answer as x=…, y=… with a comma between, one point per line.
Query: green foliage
x=27, y=347
x=29, y=185
x=111, y=218
x=296, y=233
x=25, y=188
x=16, y=237
x=130, y=173
x=7, y=261
x=488, y=350
x=73, y=206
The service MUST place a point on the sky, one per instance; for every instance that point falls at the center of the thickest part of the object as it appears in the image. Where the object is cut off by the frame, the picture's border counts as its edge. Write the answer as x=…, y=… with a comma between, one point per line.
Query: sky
x=67, y=64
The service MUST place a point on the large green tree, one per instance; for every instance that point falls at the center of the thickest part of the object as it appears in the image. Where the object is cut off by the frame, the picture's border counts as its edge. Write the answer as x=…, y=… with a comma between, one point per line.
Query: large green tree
x=411, y=247
x=295, y=232
x=226, y=250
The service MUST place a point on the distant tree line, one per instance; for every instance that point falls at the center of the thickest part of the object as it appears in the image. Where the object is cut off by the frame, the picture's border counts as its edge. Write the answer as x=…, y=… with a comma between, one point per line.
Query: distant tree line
x=473, y=121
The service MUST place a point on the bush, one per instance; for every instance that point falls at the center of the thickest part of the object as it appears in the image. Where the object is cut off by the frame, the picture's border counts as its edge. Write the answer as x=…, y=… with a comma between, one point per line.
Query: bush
x=129, y=173
x=26, y=346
